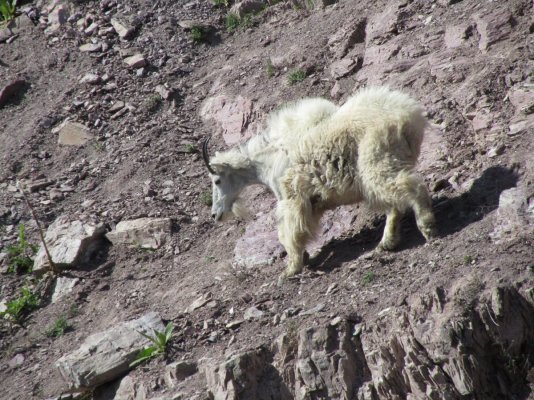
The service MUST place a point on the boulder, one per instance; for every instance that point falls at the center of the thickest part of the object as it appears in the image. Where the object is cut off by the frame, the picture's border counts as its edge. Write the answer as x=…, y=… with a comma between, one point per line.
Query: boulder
x=245, y=7
x=178, y=371
x=104, y=356
x=63, y=287
x=148, y=233
x=69, y=243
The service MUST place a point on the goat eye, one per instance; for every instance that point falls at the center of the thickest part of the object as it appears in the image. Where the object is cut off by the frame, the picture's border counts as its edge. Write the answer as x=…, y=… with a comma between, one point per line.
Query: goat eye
x=218, y=182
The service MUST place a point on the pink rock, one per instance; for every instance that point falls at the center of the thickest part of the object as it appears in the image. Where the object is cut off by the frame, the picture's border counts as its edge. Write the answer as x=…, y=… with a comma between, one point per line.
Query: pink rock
x=382, y=25
x=232, y=116
x=433, y=148
x=493, y=27
x=482, y=121
x=344, y=67
x=260, y=245
x=379, y=54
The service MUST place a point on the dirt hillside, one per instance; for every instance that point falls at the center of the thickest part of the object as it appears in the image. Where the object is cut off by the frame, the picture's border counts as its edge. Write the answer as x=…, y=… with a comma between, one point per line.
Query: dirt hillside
x=104, y=108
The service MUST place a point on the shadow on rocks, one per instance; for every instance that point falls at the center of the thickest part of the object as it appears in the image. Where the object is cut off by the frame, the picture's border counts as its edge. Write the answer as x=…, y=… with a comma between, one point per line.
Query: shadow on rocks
x=452, y=215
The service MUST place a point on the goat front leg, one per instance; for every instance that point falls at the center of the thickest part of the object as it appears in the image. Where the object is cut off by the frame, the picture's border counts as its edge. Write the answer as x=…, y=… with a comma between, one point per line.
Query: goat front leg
x=391, y=236
x=293, y=233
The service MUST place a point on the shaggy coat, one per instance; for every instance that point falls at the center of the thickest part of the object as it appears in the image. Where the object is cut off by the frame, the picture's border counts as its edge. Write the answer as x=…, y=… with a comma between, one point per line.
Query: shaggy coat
x=316, y=156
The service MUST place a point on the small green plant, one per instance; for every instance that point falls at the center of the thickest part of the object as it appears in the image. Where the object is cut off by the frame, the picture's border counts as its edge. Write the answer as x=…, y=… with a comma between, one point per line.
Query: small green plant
x=205, y=198
x=296, y=76
x=199, y=34
x=271, y=71
x=190, y=148
x=368, y=277
x=20, y=255
x=74, y=310
x=153, y=102
x=232, y=22
x=7, y=10
x=58, y=328
x=159, y=341
x=17, y=308
x=98, y=146
x=221, y=3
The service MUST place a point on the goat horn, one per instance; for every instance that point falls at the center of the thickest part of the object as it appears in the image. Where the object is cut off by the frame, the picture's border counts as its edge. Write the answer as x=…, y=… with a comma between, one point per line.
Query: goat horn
x=206, y=156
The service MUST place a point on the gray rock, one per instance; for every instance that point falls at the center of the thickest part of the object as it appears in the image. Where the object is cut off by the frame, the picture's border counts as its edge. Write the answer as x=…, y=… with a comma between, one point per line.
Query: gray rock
x=73, y=134
x=63, y=287
x=69, y=243
x=136, y=61
x=178, y=371
x=104, y=356
x=118, y=105
x=514, y=217
x=245, y=376
x=253, y=313
x=91, y=79
x=91, y=47
x=148, y=233
x=245, y=7
x=327, y=363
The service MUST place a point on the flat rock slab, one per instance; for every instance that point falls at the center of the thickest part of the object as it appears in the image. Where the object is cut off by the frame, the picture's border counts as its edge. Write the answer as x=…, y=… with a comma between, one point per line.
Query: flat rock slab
x=69, y=243
x=73, y=134
x=260, y=245
x=125, y=32
x=148, y=233
x=136, y=61
x=104, y=356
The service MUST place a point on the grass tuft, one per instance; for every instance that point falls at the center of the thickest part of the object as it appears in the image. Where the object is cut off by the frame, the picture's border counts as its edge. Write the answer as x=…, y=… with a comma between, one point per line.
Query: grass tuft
x=296, y=76
x=17, y=308
x=7, y=10
x=59, y=328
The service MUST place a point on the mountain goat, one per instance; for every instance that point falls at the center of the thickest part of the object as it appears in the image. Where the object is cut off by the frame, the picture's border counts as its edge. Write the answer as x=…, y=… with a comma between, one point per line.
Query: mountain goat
x=315, y=156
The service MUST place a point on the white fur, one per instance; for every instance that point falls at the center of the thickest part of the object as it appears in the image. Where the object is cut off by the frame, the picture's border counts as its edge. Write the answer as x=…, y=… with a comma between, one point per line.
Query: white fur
x=316, y=156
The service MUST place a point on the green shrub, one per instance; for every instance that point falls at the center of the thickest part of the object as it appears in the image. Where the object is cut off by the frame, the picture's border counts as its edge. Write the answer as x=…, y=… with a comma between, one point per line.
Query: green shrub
x=20, y=255
x=232, y=22
x=296, y=76
x=7, y=10
x=269, y=67
x=199, y=34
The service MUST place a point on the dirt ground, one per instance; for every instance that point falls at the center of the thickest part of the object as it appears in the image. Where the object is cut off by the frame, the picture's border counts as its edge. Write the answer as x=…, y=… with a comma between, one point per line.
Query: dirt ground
x=120, y=174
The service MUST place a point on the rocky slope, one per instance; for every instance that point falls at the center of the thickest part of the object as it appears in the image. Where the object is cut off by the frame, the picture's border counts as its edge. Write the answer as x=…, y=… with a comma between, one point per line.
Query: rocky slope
x=104, y=104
